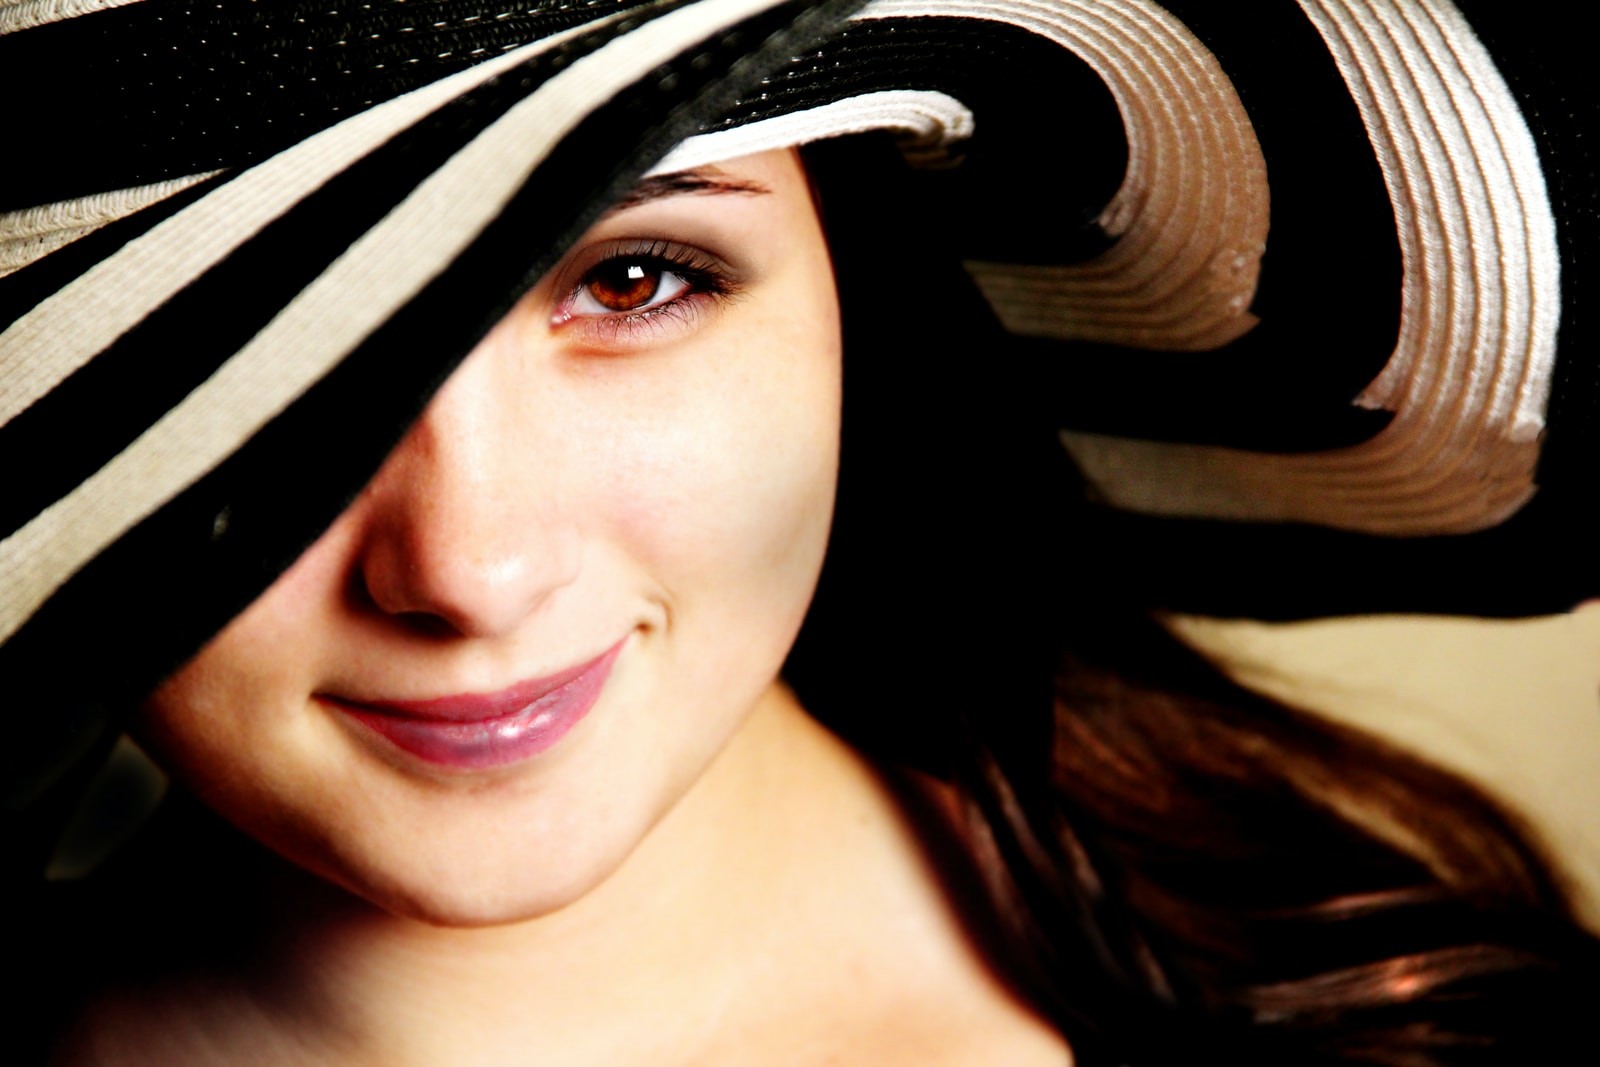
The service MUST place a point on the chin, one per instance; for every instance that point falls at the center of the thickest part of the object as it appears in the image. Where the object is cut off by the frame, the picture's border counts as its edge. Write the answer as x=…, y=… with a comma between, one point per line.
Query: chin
x=465, y=887
x=467, y=910
x=466, y=902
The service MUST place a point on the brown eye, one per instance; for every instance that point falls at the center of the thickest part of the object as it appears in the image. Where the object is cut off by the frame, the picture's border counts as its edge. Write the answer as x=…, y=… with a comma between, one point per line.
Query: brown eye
x=624, y=285
x=628, y=285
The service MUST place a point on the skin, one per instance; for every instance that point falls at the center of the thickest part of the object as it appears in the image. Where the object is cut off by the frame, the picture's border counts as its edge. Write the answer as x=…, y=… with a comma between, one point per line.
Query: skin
x=688, y=874
x=566, y=489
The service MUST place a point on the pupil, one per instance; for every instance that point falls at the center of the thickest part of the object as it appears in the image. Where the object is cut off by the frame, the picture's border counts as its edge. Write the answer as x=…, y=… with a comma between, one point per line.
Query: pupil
x=624, y=286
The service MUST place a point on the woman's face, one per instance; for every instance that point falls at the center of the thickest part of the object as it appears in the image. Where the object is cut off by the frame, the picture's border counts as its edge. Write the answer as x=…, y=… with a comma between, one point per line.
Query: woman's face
x=564, y=591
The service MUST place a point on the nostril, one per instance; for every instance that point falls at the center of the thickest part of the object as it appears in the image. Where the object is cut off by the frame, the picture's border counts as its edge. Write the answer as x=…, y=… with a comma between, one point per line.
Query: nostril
x=426, y=625
x=449, y=586
x=461, y=535
x=365, y=601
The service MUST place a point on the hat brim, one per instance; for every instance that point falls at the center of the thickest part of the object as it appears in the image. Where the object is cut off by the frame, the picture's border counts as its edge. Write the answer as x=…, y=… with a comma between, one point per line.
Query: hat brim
x=1316, y=305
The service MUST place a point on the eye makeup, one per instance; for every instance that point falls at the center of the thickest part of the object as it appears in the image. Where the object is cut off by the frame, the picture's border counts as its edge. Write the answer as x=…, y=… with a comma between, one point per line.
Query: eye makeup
x=631, y=293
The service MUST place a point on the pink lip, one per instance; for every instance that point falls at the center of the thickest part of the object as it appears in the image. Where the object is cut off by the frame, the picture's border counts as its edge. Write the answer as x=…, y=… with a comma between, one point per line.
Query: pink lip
x=472, y=731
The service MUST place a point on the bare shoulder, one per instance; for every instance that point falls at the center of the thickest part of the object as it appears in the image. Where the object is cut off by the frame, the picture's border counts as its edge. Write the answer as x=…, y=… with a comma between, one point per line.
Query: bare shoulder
x=173, y=1025
x=901, y=963
x=964, y=1008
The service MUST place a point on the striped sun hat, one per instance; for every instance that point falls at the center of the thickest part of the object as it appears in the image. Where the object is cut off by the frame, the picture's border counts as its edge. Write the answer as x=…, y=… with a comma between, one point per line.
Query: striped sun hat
x=1304, y=275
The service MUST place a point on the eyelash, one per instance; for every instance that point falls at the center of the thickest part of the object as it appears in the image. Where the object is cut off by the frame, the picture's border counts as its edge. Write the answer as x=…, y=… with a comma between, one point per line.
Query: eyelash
x=704, y=278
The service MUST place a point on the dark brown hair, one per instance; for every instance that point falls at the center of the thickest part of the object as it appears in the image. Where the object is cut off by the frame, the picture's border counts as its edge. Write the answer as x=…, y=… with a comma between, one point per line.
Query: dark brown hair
x=1195, y=862
x=1181, y=865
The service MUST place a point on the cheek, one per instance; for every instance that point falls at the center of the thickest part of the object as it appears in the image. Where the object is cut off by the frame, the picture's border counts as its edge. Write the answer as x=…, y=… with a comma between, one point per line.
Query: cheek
x=699, y=479
x=201, y=711
x=210, y=726
x=722, y=478
x=244, y=694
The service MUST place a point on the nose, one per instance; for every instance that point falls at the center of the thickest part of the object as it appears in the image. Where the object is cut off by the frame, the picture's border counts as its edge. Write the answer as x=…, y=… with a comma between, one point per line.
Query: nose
x=463, y=528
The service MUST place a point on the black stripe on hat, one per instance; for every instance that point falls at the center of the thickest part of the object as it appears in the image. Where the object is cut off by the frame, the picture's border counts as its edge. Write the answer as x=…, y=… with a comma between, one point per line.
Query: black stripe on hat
x=1049, y=151
x=204, y=555
x=163, y=89
x=97, y=411
x=1532, y=564
x=1539, y=561
x=1551, y=74
x=28, y=286
x=1329, y=293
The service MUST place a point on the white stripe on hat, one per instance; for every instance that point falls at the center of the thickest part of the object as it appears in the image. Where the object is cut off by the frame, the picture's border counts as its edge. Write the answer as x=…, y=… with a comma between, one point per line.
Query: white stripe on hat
x=928, y=122
x=84, y=317
x=357, y=293
x=1470, y=377
x=1193, y=210
x=34, y=232
x=25, y=14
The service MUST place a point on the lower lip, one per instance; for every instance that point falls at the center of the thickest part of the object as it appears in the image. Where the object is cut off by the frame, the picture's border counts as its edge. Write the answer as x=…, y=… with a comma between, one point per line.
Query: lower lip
x=464, y=743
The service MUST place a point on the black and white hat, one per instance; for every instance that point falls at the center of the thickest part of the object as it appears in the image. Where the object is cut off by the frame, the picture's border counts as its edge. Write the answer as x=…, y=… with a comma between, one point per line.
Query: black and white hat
x=1306, y=276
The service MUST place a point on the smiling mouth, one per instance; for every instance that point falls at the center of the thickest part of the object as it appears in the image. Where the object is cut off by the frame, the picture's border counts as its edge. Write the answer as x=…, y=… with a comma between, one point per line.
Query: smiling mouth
x=474, y=731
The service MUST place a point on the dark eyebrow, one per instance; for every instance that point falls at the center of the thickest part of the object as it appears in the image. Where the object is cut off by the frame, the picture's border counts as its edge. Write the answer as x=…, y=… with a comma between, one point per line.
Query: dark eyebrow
x=704, y=181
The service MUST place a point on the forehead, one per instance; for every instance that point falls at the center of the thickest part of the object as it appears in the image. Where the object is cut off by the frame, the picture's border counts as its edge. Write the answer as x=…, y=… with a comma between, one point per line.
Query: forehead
x=773, y=172
x=758, y=197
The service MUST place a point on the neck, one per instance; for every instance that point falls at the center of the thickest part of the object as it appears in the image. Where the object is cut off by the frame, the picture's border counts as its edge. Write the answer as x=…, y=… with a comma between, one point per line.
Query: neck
x=770, y=857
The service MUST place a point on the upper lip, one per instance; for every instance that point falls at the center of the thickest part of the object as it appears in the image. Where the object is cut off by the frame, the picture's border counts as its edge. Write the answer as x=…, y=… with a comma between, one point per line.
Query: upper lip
x=483, y=707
